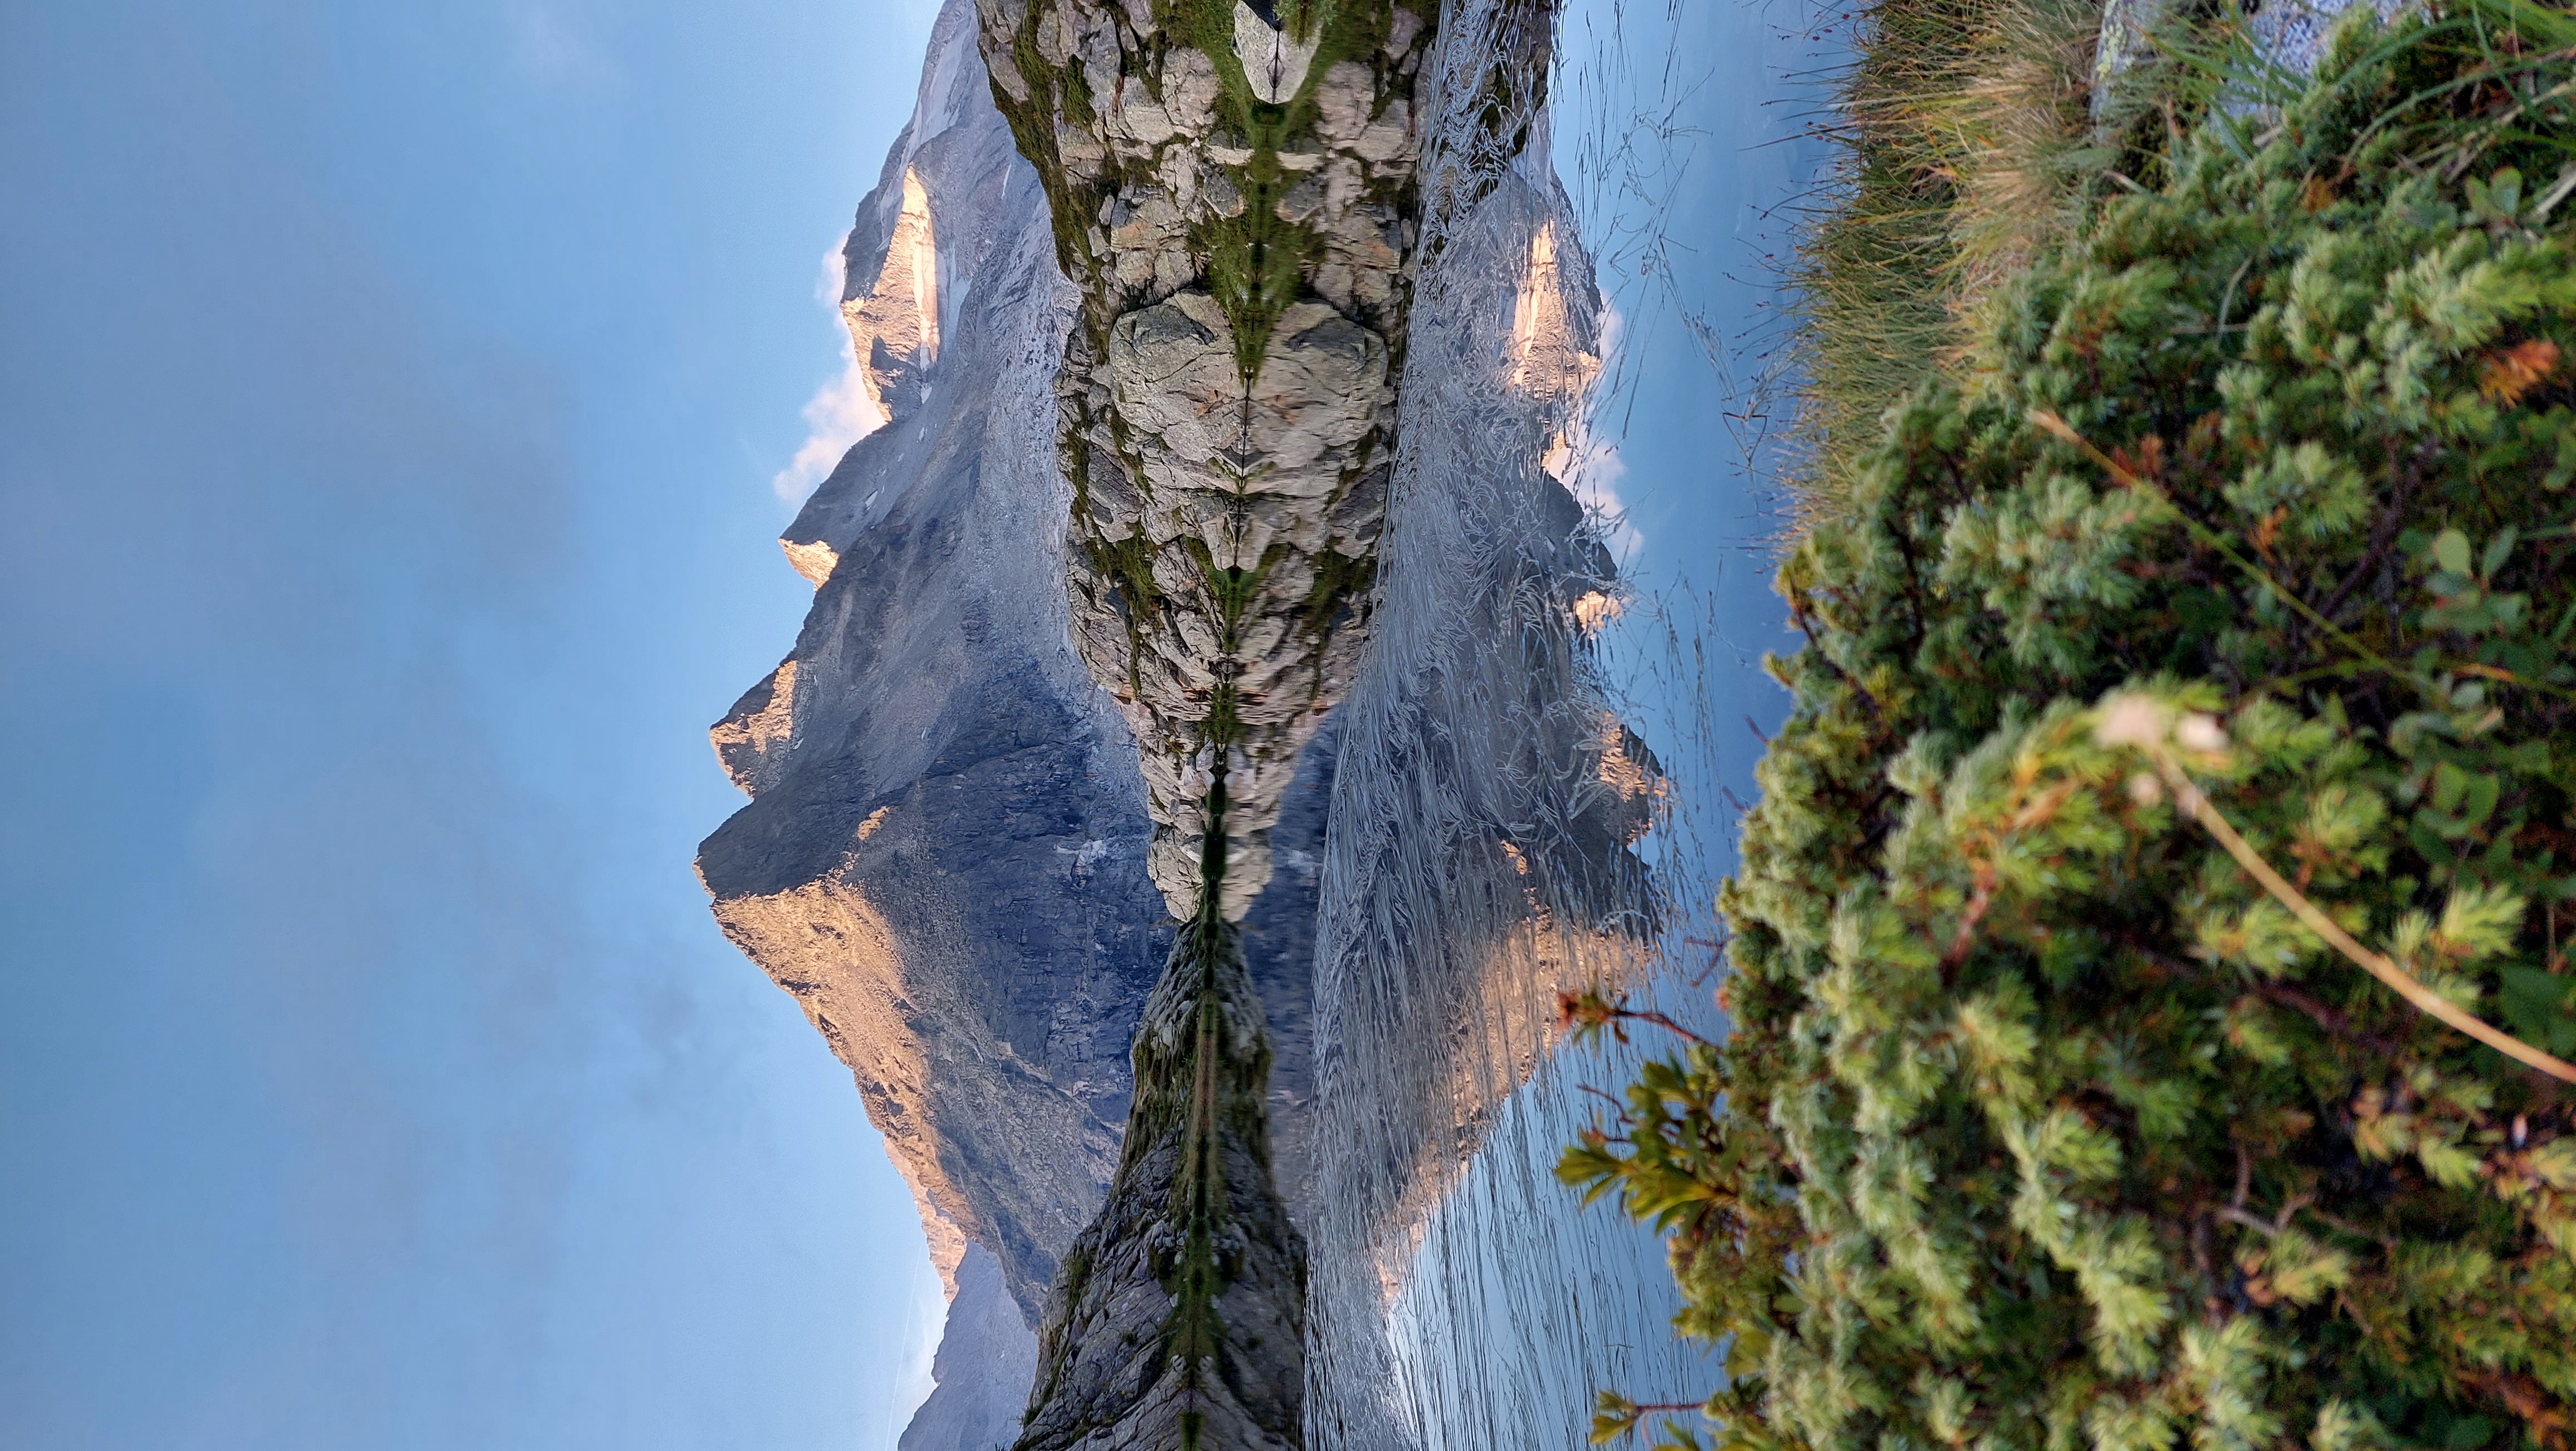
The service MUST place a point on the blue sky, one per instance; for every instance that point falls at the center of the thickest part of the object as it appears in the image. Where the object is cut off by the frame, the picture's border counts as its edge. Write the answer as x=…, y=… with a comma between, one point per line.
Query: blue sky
x=389, y=401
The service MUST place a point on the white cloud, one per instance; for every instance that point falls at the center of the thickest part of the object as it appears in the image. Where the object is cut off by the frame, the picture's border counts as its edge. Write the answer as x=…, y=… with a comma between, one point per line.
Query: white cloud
x=1586, y=459
x=1598, y=470
x=840, y=412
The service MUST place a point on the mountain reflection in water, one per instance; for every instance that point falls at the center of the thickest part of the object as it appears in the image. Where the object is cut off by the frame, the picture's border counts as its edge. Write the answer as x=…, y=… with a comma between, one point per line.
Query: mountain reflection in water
x=1530, y=789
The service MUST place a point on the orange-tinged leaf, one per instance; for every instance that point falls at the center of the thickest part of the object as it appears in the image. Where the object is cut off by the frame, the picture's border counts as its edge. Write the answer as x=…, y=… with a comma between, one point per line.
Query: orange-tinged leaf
x=2269, y=531
x=2511, y=372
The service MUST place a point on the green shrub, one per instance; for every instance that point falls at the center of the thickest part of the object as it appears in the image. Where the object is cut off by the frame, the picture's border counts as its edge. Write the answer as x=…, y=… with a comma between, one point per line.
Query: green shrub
x=2039, y=1122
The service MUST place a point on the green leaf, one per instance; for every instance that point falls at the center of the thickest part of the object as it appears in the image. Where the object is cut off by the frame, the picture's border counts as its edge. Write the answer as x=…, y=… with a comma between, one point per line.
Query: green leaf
x=2448, y=1163
x=1614, y=1416
x=2450, y=783
x=2451, y=551
x=2499, y=549
x=2480, y=920
x=1744, y=1356
x=2539, y=1008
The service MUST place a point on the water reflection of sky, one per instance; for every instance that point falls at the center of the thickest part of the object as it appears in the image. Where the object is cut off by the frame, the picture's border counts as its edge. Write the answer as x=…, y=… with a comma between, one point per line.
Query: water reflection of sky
x=1688, y=137
x=1683, y=135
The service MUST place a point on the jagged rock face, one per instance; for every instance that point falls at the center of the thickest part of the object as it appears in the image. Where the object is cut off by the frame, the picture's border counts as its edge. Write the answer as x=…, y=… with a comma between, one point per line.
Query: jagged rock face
x=1180, y=1320
x=982, y=1370
x=898, y=315
x=1234, y=202
x=944, y=856
x=1232, y=194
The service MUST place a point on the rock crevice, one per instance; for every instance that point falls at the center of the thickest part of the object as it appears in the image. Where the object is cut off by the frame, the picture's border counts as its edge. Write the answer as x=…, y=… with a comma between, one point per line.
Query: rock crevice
x=1233, y=200
x=1232, y=195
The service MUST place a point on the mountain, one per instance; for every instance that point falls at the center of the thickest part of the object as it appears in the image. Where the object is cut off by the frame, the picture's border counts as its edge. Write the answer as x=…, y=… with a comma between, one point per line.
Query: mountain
x=943, y=859
x=947, y=855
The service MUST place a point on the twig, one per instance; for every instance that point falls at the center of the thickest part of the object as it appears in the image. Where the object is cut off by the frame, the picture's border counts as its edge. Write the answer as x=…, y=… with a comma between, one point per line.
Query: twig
x=2234, y=1215
x=2190, y=798
x=1660, y=1021
x=2210, y=539
x=2268, y=1228
x=1978, y=902
x=1620, y=1108
x=2385, y=1242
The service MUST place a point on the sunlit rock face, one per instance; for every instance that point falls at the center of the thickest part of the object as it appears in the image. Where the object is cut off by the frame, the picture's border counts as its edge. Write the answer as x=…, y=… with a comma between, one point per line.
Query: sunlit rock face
x=896, y=321
x=944, y=857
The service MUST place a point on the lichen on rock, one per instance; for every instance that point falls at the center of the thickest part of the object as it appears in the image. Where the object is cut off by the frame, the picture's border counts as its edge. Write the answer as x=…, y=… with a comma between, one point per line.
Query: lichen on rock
x=1233, y=195
x=1179, y=1319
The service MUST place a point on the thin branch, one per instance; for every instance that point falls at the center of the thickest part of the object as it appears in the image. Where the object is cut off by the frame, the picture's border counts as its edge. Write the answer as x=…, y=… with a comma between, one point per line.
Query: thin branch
x=2256, y=1223
x=2325, y=1017
x=1616, y=1106
x=2308, y=913
x=1660, y=1021
x=2385, y=1242
x=2268, y=1228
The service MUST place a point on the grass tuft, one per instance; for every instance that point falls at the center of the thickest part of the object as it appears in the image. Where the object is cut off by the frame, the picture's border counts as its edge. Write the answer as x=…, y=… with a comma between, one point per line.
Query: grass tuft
x=1966, y=146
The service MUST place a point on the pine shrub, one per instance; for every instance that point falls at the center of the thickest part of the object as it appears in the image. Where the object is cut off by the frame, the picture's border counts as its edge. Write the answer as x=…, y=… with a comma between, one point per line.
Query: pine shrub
x=2040, y=1123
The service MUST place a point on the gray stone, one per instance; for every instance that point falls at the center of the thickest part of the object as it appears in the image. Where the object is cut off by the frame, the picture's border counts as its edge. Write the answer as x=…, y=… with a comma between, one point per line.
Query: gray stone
x=986, y=1359
x=1235, y=427
x=1223, y=397
x=944, y=859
